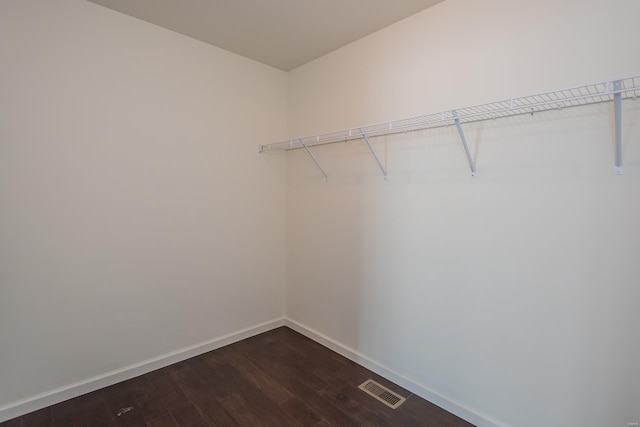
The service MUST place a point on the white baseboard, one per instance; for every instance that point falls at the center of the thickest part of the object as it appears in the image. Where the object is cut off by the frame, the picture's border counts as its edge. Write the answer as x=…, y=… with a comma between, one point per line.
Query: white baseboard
x=456, y=408
x=70, y=391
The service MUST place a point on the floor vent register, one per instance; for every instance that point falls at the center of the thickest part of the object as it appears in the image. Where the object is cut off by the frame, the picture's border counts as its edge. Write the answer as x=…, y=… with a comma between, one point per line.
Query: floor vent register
x=383, y=394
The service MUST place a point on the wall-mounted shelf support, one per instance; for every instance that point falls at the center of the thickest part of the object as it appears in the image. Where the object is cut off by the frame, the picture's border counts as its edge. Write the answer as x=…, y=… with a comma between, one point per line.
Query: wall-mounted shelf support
x=617, y=107
x=366, y=140
x=314, y=159
x=608, y=91
x=472, y=165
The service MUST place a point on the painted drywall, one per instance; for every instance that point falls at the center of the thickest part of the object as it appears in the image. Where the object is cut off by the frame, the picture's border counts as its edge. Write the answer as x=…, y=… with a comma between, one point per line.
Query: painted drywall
x=136, y=216
x=460, y=53
x=511, y=297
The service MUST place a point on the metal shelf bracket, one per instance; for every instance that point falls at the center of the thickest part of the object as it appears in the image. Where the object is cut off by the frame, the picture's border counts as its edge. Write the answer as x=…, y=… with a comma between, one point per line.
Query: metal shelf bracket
x=314, y=159
x=472, y=165
x=366, y=140
x=617, y=107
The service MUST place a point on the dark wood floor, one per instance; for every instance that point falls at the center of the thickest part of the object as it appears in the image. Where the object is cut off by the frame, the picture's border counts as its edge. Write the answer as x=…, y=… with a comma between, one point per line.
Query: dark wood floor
x=279, y=378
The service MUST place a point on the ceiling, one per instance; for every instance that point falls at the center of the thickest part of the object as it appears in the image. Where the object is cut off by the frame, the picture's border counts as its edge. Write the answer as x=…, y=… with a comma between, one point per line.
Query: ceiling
x=282, y=33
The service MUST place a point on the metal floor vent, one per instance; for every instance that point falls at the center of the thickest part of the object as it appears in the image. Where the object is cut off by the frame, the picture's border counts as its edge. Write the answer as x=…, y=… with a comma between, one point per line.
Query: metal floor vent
x=383, y=394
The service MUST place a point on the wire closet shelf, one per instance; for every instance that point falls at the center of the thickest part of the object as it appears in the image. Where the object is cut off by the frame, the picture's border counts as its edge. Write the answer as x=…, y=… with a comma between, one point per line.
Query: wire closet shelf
x=571, y=97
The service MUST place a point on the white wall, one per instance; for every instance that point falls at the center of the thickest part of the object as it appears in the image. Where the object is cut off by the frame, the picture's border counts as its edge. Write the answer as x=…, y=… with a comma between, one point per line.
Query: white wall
x=136, y=216
x=510, y=299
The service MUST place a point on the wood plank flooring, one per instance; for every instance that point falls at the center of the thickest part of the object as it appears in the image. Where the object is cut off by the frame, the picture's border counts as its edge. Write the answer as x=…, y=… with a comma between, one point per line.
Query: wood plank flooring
x=279, y=378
